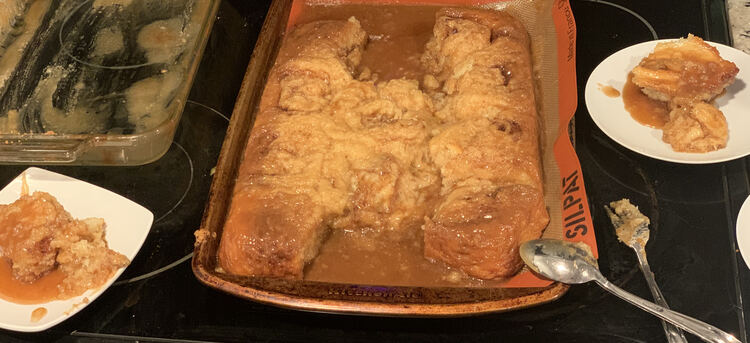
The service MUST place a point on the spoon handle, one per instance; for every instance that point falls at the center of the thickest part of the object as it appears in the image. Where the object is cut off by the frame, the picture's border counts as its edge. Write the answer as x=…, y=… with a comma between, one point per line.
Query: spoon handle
x=703, y=330
x=674, y=334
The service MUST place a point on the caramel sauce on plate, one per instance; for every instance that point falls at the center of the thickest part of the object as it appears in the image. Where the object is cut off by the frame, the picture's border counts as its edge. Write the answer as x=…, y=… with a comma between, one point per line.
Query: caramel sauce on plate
x=11, y=289
x=609, y=91
x=643, y=109
x=40, y=291
x=38, y=314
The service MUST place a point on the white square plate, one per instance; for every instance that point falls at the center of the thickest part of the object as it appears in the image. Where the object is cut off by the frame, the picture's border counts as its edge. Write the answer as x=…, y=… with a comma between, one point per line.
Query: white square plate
x=128, y=224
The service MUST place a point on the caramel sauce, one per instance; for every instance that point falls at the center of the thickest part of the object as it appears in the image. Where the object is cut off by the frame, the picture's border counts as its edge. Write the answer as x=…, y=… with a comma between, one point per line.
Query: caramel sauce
x=40, y=291
x=11, y=289
x=643, y=109
x=397, y=35
x=55, y=256
x=609, y=91
x=38, y=314
x=24, y=185
x=13, y=230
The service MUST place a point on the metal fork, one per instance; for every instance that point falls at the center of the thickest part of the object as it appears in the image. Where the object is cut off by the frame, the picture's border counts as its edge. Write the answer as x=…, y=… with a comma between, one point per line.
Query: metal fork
x=632, y=229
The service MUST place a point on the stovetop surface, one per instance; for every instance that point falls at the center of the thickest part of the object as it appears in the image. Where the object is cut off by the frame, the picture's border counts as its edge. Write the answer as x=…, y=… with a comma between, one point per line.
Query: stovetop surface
x=692, y=249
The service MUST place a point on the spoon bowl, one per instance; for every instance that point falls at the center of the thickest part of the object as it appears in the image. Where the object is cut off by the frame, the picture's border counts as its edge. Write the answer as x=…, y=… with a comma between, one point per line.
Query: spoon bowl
x=567, y=262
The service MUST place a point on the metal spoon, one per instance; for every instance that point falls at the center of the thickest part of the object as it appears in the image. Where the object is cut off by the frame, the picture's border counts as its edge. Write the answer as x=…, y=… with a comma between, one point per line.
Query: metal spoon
x=573, y=263
x=631, y=227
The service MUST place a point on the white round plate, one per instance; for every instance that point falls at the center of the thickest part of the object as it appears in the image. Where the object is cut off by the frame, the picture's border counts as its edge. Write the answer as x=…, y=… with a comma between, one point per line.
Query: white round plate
x=743, y=231
x=610, y=115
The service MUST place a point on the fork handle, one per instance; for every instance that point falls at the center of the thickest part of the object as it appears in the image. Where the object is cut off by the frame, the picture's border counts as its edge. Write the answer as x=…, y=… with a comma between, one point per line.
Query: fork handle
x=673, y=333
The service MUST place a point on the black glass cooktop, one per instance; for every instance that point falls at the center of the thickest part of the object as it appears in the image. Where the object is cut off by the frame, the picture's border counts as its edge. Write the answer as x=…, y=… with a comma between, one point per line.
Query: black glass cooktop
x=692, y=248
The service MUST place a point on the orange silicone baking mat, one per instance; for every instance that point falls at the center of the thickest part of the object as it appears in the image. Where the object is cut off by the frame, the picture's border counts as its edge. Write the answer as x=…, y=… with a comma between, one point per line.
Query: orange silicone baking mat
x=553, y=36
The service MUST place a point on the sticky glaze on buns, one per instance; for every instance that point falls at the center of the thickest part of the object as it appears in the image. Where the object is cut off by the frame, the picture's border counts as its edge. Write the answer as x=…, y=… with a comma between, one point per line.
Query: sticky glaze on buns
x=457, y=159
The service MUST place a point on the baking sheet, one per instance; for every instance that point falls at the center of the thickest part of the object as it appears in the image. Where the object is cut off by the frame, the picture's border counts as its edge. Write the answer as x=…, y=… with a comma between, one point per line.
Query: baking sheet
x=552, y=29
x=553, y=53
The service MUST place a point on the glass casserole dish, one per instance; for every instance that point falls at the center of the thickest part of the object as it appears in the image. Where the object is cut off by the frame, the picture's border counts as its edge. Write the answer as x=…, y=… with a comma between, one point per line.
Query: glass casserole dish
x=98, y=82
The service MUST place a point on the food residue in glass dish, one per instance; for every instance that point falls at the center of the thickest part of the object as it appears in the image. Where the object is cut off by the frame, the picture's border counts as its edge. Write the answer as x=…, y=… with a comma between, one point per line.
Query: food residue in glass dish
x=162, y=40
x=17, y=27
x=105, y=3
x=149, y=100
x=105, y=48
x=108, y=41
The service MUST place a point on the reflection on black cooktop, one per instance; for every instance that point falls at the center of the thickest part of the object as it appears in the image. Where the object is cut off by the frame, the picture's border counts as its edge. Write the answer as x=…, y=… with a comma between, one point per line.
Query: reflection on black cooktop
x=692, y=209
